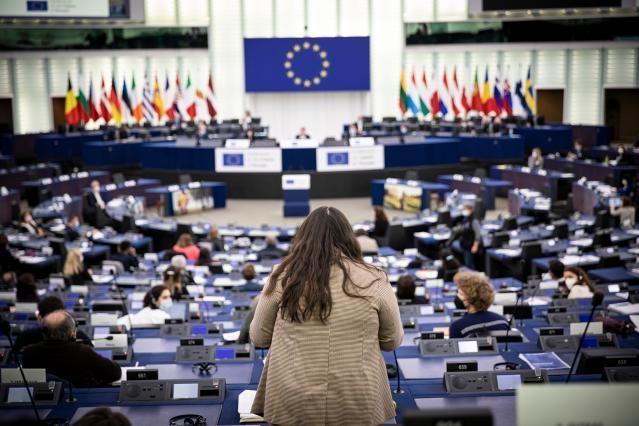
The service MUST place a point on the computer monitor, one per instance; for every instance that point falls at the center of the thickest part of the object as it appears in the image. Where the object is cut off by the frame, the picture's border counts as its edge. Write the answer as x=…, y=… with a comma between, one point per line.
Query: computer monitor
x=459, y=416
x=594, y=360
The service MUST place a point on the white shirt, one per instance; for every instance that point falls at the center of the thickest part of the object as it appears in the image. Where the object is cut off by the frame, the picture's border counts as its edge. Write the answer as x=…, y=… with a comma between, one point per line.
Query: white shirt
x=146, y=316
x=98, y=199
x=580, y=292
x=367, y=244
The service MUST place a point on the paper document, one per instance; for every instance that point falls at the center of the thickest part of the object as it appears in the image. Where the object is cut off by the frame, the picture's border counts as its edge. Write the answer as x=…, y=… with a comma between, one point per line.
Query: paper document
x=244, y=404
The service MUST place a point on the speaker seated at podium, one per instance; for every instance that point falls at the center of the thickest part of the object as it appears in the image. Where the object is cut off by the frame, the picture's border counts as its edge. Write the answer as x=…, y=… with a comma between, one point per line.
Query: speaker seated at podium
x=94, y=207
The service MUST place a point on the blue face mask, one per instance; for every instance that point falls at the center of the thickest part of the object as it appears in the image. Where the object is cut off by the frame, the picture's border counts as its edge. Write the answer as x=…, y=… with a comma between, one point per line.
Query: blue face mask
x=166, y=305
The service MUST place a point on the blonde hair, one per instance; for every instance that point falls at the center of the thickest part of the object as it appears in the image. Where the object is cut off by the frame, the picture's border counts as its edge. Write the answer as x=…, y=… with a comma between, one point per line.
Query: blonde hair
x=214, y=233
x=185, y=240
x=73, y=263
x=478, y=291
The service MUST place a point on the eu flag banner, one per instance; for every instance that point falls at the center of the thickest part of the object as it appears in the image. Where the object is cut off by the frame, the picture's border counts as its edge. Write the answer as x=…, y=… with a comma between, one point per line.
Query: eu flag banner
x=306, y=64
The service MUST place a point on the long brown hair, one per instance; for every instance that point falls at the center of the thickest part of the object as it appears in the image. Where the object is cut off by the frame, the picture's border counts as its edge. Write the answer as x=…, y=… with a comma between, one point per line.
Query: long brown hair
x=582, y=277
x=324, y=239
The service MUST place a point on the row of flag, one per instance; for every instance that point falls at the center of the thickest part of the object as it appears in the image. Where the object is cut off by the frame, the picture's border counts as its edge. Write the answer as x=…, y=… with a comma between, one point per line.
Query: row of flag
x=154, y=105
x=451, y=99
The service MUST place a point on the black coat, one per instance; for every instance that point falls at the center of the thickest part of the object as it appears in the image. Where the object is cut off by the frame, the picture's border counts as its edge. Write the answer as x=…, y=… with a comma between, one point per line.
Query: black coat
x=36, y=335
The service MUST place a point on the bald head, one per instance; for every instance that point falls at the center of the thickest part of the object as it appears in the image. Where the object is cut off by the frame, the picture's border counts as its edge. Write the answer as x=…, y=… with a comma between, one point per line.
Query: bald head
x=60, y=325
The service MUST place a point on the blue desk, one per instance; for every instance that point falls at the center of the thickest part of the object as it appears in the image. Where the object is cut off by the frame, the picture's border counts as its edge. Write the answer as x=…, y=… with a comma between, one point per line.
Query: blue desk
x=591, y=170
x=493, y=147
x=112, y=153
x=613, y=275
x=216, y=189
x=13, y=178
x=75, y=185
x=548, y=138
x=58, y=146
x=553, y=184
x=485, y=188
x=137, y=189
x=169, y=156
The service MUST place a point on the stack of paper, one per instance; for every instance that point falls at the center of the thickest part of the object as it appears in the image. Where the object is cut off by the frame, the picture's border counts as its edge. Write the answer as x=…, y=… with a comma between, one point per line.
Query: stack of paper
x=244, y=404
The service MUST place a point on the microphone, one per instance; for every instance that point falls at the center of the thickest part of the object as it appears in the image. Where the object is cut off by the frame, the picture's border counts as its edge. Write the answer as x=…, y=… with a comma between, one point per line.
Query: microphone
x=99, y=338
x=5, y=327
x=512, y=317
x=397, y=390
x=597, y=299
x=69, y=386
x=126, y=312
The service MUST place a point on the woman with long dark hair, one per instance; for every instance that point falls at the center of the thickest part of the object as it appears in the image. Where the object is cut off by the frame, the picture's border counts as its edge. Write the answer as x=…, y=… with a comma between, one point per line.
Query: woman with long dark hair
x=326, y=316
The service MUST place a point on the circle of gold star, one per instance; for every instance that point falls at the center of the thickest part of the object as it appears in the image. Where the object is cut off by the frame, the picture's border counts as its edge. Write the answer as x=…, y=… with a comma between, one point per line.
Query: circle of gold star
x=290, y=71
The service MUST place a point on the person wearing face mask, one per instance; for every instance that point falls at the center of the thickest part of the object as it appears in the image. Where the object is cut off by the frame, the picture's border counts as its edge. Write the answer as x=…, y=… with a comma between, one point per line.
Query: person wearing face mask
x=577, y=283
x=94, y=207
x=476, y=295
x=74, y=271
x=469, y=236
x=157, y=307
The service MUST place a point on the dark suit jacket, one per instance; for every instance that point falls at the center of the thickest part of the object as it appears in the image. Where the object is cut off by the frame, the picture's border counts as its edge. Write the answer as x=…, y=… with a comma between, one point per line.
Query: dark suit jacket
x=7, y=261
x=249, y=286
x=128, y=260
x=36, y=335
x=78, y=279
x=72, y=361
x=91, y=211
x=271, y=252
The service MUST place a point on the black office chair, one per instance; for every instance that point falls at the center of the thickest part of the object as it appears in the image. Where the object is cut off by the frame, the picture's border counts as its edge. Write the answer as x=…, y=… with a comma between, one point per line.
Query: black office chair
x=529, y=252
x=396, y=236
x=183, y=228
x=510, y=224
x=499, y=239
x=561, y=230
x=602, y=239
x=444, y=218
x=128, y=224
x=609, y=260
x=603, y=219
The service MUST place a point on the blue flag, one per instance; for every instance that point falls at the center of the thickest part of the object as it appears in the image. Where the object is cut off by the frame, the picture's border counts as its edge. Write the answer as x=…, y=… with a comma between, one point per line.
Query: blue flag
x=306, y=64
x=522, y=98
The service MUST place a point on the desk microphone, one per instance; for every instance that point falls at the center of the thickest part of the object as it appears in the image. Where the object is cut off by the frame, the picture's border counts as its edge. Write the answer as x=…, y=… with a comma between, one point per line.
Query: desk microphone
x=597, y=299
x=397, y=390
x=512, y=317
x=129, y=331
x=5, y=327
x=99, y=338
x=69, y=386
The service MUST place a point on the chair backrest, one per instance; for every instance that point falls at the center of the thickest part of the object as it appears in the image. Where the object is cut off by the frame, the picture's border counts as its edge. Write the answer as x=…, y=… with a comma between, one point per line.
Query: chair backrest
x=510, y=224
x=561, y=230
x=444, y=218
x=531, y=250
x=602, y=238
x=396, y=236
x=113, y=264
x=499, y=239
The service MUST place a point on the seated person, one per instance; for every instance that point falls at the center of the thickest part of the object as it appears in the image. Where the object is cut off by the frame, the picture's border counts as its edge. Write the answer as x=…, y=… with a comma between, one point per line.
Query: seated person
x=157, y=307
x=555, y=271
x=246, y=325
x=622, y=158
x=249, y=275
x=366, y=243
x=536, y=161
x=29, y=225
x=205, y=258
x=179, y=263
x=72, y=229
x=626, y=189
x=477, y=295
x=173, y=281
x=185, y=246
x=577, y=152
x=73, y=270
x=26, y=290
x=217, y=243
x=62, y=356
x=127, y=256
x=406, y=291
x=36, y=335
x=381, y=223
x=302, y=134
x=8, y=262
x=271, y=251
x=103, y=416
x=576, y=283
x=450, y=265
x=626, y=212
x=8, y=281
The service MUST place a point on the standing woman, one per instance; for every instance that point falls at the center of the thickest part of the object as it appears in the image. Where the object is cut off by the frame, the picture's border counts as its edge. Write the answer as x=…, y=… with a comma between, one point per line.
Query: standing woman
x=326, y=316
x=381, y=223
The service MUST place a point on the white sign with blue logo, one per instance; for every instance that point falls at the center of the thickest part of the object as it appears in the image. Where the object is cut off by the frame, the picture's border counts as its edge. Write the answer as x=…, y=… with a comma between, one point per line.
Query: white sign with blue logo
x=267, y=160
x=335, y=159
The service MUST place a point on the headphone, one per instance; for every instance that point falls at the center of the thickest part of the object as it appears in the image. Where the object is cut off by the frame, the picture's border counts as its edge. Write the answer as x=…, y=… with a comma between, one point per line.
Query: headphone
x=187, y=420
x=391, y=371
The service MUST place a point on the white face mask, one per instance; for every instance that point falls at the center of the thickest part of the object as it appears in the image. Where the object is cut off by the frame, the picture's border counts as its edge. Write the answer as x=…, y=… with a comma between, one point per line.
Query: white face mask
x=166, y=305
x=570, y=282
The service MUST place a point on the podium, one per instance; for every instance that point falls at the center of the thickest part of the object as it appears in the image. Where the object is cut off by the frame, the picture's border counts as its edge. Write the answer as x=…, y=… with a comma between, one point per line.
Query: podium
x=297, y=195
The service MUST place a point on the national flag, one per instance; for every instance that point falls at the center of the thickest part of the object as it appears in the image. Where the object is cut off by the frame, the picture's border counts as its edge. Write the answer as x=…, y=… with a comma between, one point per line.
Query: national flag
x=114, y=101
x=136, y=106
x=170, y=112
x=521, y=98
x=84, y=108
x=158, y=103
x=508, y=101
x=94, y=110
x=104, y=103
x=498, y=104
x=476, y=97
x=71, y=113
x=464, y=100
x=423, y=95
x=434, y=98
x=413, y=97
x=529, y=93
x=147, y=101
x=456, y=95
x=486, y=98
x=447, y=98
x=178, y=98
x=191, y=107
x=403, y=94
x=126, y=100
x=210, y=99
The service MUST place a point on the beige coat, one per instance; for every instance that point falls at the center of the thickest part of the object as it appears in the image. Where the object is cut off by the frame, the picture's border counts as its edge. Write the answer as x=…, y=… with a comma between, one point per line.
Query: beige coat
x=333, y=373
